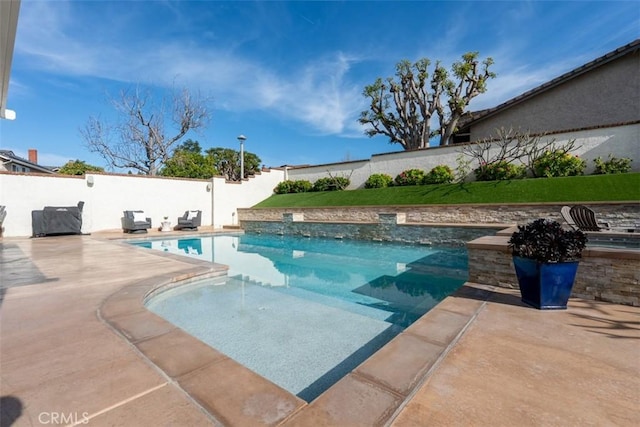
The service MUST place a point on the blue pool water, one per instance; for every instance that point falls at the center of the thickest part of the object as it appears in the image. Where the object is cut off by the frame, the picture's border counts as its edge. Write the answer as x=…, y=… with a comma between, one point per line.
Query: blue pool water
x=305, y=312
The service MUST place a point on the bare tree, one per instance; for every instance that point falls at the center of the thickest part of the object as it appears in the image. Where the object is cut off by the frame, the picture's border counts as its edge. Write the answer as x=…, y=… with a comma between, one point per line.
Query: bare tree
x=138, y=140
x=407, y=122
x=471, y=83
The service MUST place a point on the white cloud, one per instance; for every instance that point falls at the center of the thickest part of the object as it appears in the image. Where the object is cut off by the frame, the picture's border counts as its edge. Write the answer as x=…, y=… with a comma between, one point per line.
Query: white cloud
x=322, y=94
x=318, y=95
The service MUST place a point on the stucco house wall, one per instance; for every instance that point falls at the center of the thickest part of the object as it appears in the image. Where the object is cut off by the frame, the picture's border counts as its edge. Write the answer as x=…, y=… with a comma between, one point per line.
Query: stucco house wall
x=586, y=98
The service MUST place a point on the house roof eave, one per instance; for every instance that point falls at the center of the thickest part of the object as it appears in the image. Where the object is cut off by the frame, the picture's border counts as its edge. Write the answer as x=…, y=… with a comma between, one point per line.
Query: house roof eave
x=602, y=60
x=8, y=23
x=19, y=161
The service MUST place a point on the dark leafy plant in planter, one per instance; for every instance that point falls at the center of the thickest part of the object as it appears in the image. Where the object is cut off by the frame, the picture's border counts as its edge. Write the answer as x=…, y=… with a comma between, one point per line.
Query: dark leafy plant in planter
x=545, y=257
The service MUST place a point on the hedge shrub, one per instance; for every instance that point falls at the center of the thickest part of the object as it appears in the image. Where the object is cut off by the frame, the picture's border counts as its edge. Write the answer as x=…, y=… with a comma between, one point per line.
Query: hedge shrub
x=612, y=165
x=378, y=180
x=410, y=177
x=500, y=170
x=441, y=174
x=331, y=184
x=288, y=186
x=557, y=163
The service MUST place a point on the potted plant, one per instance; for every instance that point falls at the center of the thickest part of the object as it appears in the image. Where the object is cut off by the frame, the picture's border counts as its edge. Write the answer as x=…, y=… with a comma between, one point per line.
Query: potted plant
x=545, y=257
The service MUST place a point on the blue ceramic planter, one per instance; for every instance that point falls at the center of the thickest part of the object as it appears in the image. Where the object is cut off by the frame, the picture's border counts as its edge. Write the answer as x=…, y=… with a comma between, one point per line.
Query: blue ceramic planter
x=546, y=286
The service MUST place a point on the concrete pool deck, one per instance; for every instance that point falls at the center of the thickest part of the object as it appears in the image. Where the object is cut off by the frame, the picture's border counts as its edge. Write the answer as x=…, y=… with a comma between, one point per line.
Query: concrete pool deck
x=77, y=347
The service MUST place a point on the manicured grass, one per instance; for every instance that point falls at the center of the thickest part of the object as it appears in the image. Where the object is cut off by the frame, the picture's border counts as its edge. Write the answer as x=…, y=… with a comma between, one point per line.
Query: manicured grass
x=591, y=188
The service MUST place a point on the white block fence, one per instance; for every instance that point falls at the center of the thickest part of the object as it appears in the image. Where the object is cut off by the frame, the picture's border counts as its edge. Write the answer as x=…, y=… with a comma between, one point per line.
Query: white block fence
x=107, y=196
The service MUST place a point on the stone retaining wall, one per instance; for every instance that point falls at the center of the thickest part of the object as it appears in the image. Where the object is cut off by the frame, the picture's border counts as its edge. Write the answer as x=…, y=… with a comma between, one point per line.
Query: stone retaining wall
x=604, y=274
x=389, y=227
x=616, y=213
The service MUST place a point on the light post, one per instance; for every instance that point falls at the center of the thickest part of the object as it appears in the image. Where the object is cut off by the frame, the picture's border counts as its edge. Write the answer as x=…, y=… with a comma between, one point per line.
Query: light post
x=242, y=138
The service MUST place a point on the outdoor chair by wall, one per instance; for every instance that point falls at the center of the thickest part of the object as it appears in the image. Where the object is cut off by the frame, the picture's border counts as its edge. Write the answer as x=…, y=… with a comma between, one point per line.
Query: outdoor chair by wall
x=566, y=214
x=585, y=219
x=135, y=221
x=189, y=221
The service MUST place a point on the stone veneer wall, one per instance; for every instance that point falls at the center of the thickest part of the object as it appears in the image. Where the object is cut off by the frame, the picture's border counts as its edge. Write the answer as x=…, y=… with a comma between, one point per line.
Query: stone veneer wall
x=613, y=212
x=604, y=274
x=388, y=227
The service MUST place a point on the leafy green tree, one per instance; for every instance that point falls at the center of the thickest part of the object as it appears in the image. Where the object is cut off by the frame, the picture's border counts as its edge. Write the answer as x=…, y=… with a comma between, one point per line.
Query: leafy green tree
x=227, y=162
x=406, y=121
x=78, y=167
x=188, y=161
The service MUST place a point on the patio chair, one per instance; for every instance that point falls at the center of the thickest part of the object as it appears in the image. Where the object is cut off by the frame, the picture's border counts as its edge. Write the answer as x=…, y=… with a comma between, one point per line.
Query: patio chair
x=135, y=222
x=191, y=220
x=566, y=214
x=585, y=219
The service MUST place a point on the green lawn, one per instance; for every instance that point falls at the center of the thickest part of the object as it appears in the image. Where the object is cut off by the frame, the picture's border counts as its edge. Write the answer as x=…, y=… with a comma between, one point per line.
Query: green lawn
x=591, y=188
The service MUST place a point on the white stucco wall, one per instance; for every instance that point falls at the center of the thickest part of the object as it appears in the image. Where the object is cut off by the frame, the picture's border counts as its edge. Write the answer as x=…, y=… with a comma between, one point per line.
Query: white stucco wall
x=621, y=141
x=228, y=197
x=108, y=195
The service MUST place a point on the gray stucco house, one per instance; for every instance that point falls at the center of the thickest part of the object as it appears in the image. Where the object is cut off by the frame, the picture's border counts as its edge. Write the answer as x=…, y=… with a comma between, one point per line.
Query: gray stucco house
x=603, y=93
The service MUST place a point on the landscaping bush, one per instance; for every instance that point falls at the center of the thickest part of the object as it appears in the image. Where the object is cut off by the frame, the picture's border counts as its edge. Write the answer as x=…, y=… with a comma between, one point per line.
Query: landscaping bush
x=612, y=165
x=441, y=174
x=499, y=170
x=300, y=186
x=558, y=163
x=331, y=183
x=410, y=177
x=283, y=187
x=378, y=180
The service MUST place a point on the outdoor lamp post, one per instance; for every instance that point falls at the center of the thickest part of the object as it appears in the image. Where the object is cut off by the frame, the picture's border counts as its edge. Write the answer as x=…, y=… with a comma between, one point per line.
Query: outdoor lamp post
x=242, y=138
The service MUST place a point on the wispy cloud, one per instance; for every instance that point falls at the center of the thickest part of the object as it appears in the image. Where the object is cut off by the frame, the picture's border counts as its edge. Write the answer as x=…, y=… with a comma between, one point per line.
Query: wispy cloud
x=323, y=93
x=319, y=94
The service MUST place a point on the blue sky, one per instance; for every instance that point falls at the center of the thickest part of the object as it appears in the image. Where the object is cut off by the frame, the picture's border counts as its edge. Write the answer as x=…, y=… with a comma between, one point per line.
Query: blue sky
x=288, y=75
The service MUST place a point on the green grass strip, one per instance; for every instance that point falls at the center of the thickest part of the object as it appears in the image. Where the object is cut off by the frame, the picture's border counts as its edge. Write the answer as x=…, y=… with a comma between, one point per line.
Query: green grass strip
x=575, y=189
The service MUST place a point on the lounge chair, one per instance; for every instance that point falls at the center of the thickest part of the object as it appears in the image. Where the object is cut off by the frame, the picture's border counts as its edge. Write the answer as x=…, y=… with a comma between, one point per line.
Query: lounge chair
x=135, y=222
x=585, y=219
x=191, y=220
x=566, y=214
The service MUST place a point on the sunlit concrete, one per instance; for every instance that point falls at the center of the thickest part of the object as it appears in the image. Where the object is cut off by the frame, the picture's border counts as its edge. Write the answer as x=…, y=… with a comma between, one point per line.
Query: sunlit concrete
x=76, y=342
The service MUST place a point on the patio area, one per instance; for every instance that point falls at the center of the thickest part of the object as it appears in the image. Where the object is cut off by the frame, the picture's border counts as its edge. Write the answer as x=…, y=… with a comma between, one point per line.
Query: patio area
x=78, y=349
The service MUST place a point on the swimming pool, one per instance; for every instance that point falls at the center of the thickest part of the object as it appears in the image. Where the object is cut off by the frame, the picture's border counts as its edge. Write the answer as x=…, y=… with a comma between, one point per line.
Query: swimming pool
x=305, y=312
